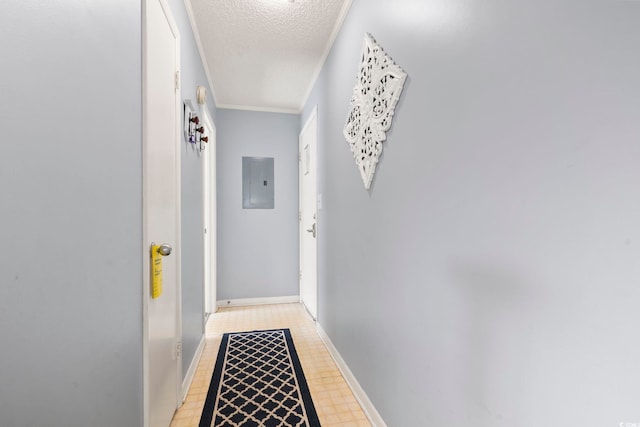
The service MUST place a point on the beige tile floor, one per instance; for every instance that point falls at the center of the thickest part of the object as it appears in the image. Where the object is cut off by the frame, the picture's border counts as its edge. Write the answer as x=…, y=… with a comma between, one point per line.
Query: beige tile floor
x=332, y=397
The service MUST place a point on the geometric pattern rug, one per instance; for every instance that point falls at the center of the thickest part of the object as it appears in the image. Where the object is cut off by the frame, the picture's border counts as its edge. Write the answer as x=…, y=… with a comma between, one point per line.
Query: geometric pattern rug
x=258, y=381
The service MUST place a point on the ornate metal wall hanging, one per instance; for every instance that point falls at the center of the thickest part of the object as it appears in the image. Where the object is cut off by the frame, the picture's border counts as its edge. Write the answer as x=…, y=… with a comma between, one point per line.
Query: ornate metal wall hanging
x=378, y=87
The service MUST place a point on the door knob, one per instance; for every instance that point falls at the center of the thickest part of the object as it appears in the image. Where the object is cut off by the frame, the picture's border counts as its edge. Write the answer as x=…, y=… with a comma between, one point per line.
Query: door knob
x=164, y=249
x=312, y=229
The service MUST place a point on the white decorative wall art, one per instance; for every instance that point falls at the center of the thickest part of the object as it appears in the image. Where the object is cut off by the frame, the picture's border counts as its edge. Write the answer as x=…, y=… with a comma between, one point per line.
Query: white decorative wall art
x=378, y=87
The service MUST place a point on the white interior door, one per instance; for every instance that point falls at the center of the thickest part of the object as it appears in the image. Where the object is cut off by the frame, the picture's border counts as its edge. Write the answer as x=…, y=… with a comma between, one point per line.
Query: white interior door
x=309, y=215
x=161, y=213
x=210, y=227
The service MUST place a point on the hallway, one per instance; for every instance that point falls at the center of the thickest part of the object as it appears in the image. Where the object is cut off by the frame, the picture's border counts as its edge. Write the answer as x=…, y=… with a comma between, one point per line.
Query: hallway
x=332, y=397
x=488, y=277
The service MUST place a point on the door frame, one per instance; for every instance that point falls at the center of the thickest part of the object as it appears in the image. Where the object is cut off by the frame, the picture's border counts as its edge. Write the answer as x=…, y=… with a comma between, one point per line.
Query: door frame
x=209, y=173
x=177, y=246
x=313, y=116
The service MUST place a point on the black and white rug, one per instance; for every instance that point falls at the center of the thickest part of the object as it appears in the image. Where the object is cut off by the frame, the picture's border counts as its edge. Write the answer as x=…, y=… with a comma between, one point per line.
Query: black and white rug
x=258, y=381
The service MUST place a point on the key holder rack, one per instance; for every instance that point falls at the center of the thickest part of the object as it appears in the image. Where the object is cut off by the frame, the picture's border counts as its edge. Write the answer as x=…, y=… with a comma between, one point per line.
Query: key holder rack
x=194, y=132
x=191, y=121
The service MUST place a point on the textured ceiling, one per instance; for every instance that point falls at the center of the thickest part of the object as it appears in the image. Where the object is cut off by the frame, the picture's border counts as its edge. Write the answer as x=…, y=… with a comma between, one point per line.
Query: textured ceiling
x=265, y=54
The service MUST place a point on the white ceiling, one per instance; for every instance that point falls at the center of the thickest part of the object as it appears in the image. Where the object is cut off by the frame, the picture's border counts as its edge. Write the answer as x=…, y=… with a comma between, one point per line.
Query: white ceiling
x=265, y=54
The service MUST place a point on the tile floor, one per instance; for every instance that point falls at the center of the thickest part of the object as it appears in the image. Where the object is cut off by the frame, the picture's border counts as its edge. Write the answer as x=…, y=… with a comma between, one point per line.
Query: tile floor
x=332, y=397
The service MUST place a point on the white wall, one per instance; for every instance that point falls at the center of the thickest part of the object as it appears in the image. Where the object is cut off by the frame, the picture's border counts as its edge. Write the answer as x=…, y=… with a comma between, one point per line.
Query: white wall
x=491, y=275
x=257, y=248
x=70, y=213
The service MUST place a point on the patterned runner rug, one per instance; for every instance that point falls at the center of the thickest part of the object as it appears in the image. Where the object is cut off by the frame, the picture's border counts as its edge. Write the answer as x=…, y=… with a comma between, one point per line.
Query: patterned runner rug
x=258, y=381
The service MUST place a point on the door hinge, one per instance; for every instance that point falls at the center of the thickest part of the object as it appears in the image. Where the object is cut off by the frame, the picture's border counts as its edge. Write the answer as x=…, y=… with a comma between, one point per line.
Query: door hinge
x=177, y=78
x=299, y=216
x=300, y=275
x=178, y=349
x=205, y=230
x=299, y=157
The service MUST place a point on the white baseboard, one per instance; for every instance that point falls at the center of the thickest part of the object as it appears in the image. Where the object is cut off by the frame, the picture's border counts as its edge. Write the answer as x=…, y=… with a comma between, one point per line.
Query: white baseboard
x=188, y=378
x=367, y=406
x=258, y=301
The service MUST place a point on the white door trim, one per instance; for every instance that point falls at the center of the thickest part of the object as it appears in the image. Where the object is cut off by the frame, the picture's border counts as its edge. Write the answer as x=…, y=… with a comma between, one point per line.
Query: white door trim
x=146, y=279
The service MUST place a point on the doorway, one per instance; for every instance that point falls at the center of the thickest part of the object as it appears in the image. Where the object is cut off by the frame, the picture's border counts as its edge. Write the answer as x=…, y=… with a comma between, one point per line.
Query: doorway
x=161, y=215
x=308, y=216
x=210, y=216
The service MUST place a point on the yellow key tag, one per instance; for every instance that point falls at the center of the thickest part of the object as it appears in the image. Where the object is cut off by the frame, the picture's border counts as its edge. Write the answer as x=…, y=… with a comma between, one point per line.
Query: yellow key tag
x=156, y=272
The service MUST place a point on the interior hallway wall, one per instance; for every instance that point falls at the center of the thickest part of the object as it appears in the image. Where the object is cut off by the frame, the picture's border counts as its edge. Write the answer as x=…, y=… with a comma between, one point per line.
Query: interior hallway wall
x=490, y=277
x=257, y=248
x=192, y=74
x=71, y=213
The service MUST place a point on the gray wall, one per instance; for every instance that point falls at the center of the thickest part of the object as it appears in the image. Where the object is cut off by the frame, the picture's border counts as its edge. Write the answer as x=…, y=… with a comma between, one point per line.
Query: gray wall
x=192, y=74
x=71, y=178
x=257, y=248
x=71, y=213
x=491, y=275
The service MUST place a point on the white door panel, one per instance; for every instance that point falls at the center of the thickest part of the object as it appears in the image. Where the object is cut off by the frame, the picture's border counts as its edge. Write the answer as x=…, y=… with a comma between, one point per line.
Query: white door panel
x=162, y=204
x=209, y=187
x=309, y=215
